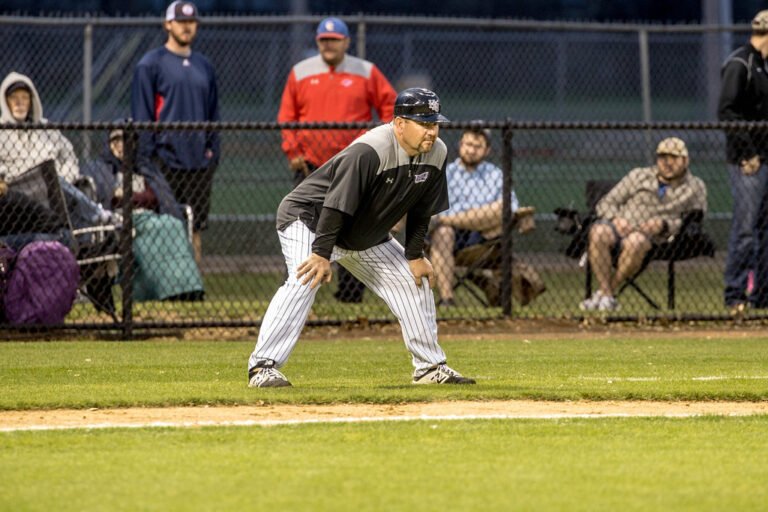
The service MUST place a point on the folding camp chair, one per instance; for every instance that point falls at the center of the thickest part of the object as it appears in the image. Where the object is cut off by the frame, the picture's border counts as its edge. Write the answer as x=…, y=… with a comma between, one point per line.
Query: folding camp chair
x=471, y=262
x=95, y=247
x=690, y=242
x=478, y=269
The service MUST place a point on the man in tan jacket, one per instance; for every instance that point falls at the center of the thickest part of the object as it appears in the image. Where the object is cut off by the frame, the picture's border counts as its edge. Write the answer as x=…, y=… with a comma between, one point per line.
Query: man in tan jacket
x=644, y=208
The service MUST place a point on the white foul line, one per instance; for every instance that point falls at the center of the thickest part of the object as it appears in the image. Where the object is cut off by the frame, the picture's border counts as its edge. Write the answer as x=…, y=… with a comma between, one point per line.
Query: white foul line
x=361, y=419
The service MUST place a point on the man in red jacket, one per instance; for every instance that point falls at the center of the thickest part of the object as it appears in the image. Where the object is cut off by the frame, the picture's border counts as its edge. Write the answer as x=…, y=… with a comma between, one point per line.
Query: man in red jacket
x=331, y=87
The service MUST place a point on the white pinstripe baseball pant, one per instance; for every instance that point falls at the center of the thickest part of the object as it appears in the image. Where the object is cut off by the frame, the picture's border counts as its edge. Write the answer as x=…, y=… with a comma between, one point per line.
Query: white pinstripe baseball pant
x=383, y=269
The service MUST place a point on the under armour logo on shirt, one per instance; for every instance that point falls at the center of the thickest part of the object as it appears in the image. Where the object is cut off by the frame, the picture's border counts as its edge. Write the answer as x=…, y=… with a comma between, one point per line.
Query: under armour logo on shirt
x=390, y=180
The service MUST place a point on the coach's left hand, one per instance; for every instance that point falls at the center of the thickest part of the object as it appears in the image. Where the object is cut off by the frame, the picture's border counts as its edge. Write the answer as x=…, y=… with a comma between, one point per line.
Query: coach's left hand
x=420, y=269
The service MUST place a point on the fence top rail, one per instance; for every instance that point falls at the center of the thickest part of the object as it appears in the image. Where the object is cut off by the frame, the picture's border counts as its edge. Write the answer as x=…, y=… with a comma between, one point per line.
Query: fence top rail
x=498, y=125
x=421, y=21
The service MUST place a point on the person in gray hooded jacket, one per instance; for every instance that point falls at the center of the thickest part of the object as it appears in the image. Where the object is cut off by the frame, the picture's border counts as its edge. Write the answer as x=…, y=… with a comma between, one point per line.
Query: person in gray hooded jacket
x=21, y=150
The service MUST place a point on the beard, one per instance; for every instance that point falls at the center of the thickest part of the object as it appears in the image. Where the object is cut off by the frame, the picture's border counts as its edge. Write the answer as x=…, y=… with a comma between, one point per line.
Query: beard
x=182, y=42
x=470, y=163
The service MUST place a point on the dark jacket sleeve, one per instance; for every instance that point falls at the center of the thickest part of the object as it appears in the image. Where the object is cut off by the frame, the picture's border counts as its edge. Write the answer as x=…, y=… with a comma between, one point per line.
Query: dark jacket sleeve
x=328, y=226
x=417, y=222
x=166, y=201
x=732, y=107
x=415, y=232
x=143, y=108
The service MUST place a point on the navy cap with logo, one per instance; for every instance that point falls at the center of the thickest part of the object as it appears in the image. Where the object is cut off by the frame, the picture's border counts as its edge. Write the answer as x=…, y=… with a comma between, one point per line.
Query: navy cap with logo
x=332, y=28
x=419, y=104
x=181, y=11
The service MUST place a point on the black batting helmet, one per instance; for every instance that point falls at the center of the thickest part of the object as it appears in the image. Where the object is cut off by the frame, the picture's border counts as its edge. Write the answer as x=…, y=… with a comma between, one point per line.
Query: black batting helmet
x=419, y=104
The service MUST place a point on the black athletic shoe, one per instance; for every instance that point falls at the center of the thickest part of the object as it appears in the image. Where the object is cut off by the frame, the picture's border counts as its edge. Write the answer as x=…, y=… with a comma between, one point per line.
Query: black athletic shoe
x=442, y=374
x=266, y=378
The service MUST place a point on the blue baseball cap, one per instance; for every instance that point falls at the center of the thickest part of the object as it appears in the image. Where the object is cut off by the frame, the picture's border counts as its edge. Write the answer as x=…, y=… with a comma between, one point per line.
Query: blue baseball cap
x=332, y=28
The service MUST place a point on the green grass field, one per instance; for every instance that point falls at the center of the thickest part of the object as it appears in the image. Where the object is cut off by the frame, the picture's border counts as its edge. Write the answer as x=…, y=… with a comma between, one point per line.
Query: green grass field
x=111, y=374
x=705, y=464
x=702, y=463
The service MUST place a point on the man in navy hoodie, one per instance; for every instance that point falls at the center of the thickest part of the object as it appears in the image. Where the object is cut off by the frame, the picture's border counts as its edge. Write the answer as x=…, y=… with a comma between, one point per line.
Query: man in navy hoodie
x=173, y=83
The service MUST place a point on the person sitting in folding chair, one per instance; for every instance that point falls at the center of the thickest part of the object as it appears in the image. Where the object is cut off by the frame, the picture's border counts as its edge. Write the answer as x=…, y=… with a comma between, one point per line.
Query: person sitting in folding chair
x=21, y=150
x=474, y=192
x=165, y=267
x=643, y=209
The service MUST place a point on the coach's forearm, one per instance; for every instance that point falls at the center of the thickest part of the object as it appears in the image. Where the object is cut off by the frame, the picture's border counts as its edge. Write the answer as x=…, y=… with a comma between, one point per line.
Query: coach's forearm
x=328, y=227
x=415, y=232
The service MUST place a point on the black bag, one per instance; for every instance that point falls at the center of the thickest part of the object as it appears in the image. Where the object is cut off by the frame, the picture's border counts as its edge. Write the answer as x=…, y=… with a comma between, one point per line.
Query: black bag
x=7, y=258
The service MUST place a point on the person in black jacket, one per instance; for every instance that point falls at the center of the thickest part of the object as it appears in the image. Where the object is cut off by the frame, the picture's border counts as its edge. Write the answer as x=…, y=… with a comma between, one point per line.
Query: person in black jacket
x=744, y=97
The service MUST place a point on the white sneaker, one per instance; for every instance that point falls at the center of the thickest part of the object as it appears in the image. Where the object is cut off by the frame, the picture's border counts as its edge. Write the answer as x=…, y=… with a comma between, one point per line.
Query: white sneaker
x=599, y=302
x=591, y=303
x=266, y=377
x=441, y=374
x=607, y=303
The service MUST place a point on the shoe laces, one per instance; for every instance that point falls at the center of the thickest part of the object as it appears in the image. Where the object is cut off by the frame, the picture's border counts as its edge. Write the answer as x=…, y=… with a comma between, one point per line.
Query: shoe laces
x=268, y=373
x=444, y=368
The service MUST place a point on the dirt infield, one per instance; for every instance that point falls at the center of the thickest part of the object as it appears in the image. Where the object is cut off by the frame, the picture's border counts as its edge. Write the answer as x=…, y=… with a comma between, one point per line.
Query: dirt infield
x=285, y=414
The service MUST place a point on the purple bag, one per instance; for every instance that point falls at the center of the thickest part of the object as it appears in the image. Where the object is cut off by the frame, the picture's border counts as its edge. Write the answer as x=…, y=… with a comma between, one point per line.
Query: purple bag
x=43, y=285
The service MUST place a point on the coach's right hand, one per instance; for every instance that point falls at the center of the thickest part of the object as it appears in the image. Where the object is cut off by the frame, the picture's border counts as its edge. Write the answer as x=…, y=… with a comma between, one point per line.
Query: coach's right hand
x=420, y=269
x=316, y=270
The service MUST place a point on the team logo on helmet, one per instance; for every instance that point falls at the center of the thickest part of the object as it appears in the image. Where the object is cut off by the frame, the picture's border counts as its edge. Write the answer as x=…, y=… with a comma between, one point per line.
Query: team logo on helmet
x=187, y=9
x=434, y=105
x=329, y=26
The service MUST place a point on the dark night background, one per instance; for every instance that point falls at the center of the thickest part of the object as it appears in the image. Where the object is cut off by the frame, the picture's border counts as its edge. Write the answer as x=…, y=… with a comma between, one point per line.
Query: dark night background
x=664, y=11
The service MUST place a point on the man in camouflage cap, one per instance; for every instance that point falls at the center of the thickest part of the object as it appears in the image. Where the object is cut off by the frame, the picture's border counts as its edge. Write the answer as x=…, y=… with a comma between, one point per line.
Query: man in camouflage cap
x=744, y=97
x=644, y=208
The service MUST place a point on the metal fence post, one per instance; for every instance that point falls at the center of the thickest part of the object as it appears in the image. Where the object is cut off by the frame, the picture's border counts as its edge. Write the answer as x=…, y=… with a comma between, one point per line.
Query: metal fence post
x=87, y=83
x=87, y=72
x=506, y=220
x=645, y=83
x=360, y=44
x=130, y=138
x=645, y=75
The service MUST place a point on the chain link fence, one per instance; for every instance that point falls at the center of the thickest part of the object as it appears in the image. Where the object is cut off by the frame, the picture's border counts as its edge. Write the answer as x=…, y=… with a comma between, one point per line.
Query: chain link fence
x=536, y=85
x=153, y=280
x=483, y=69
